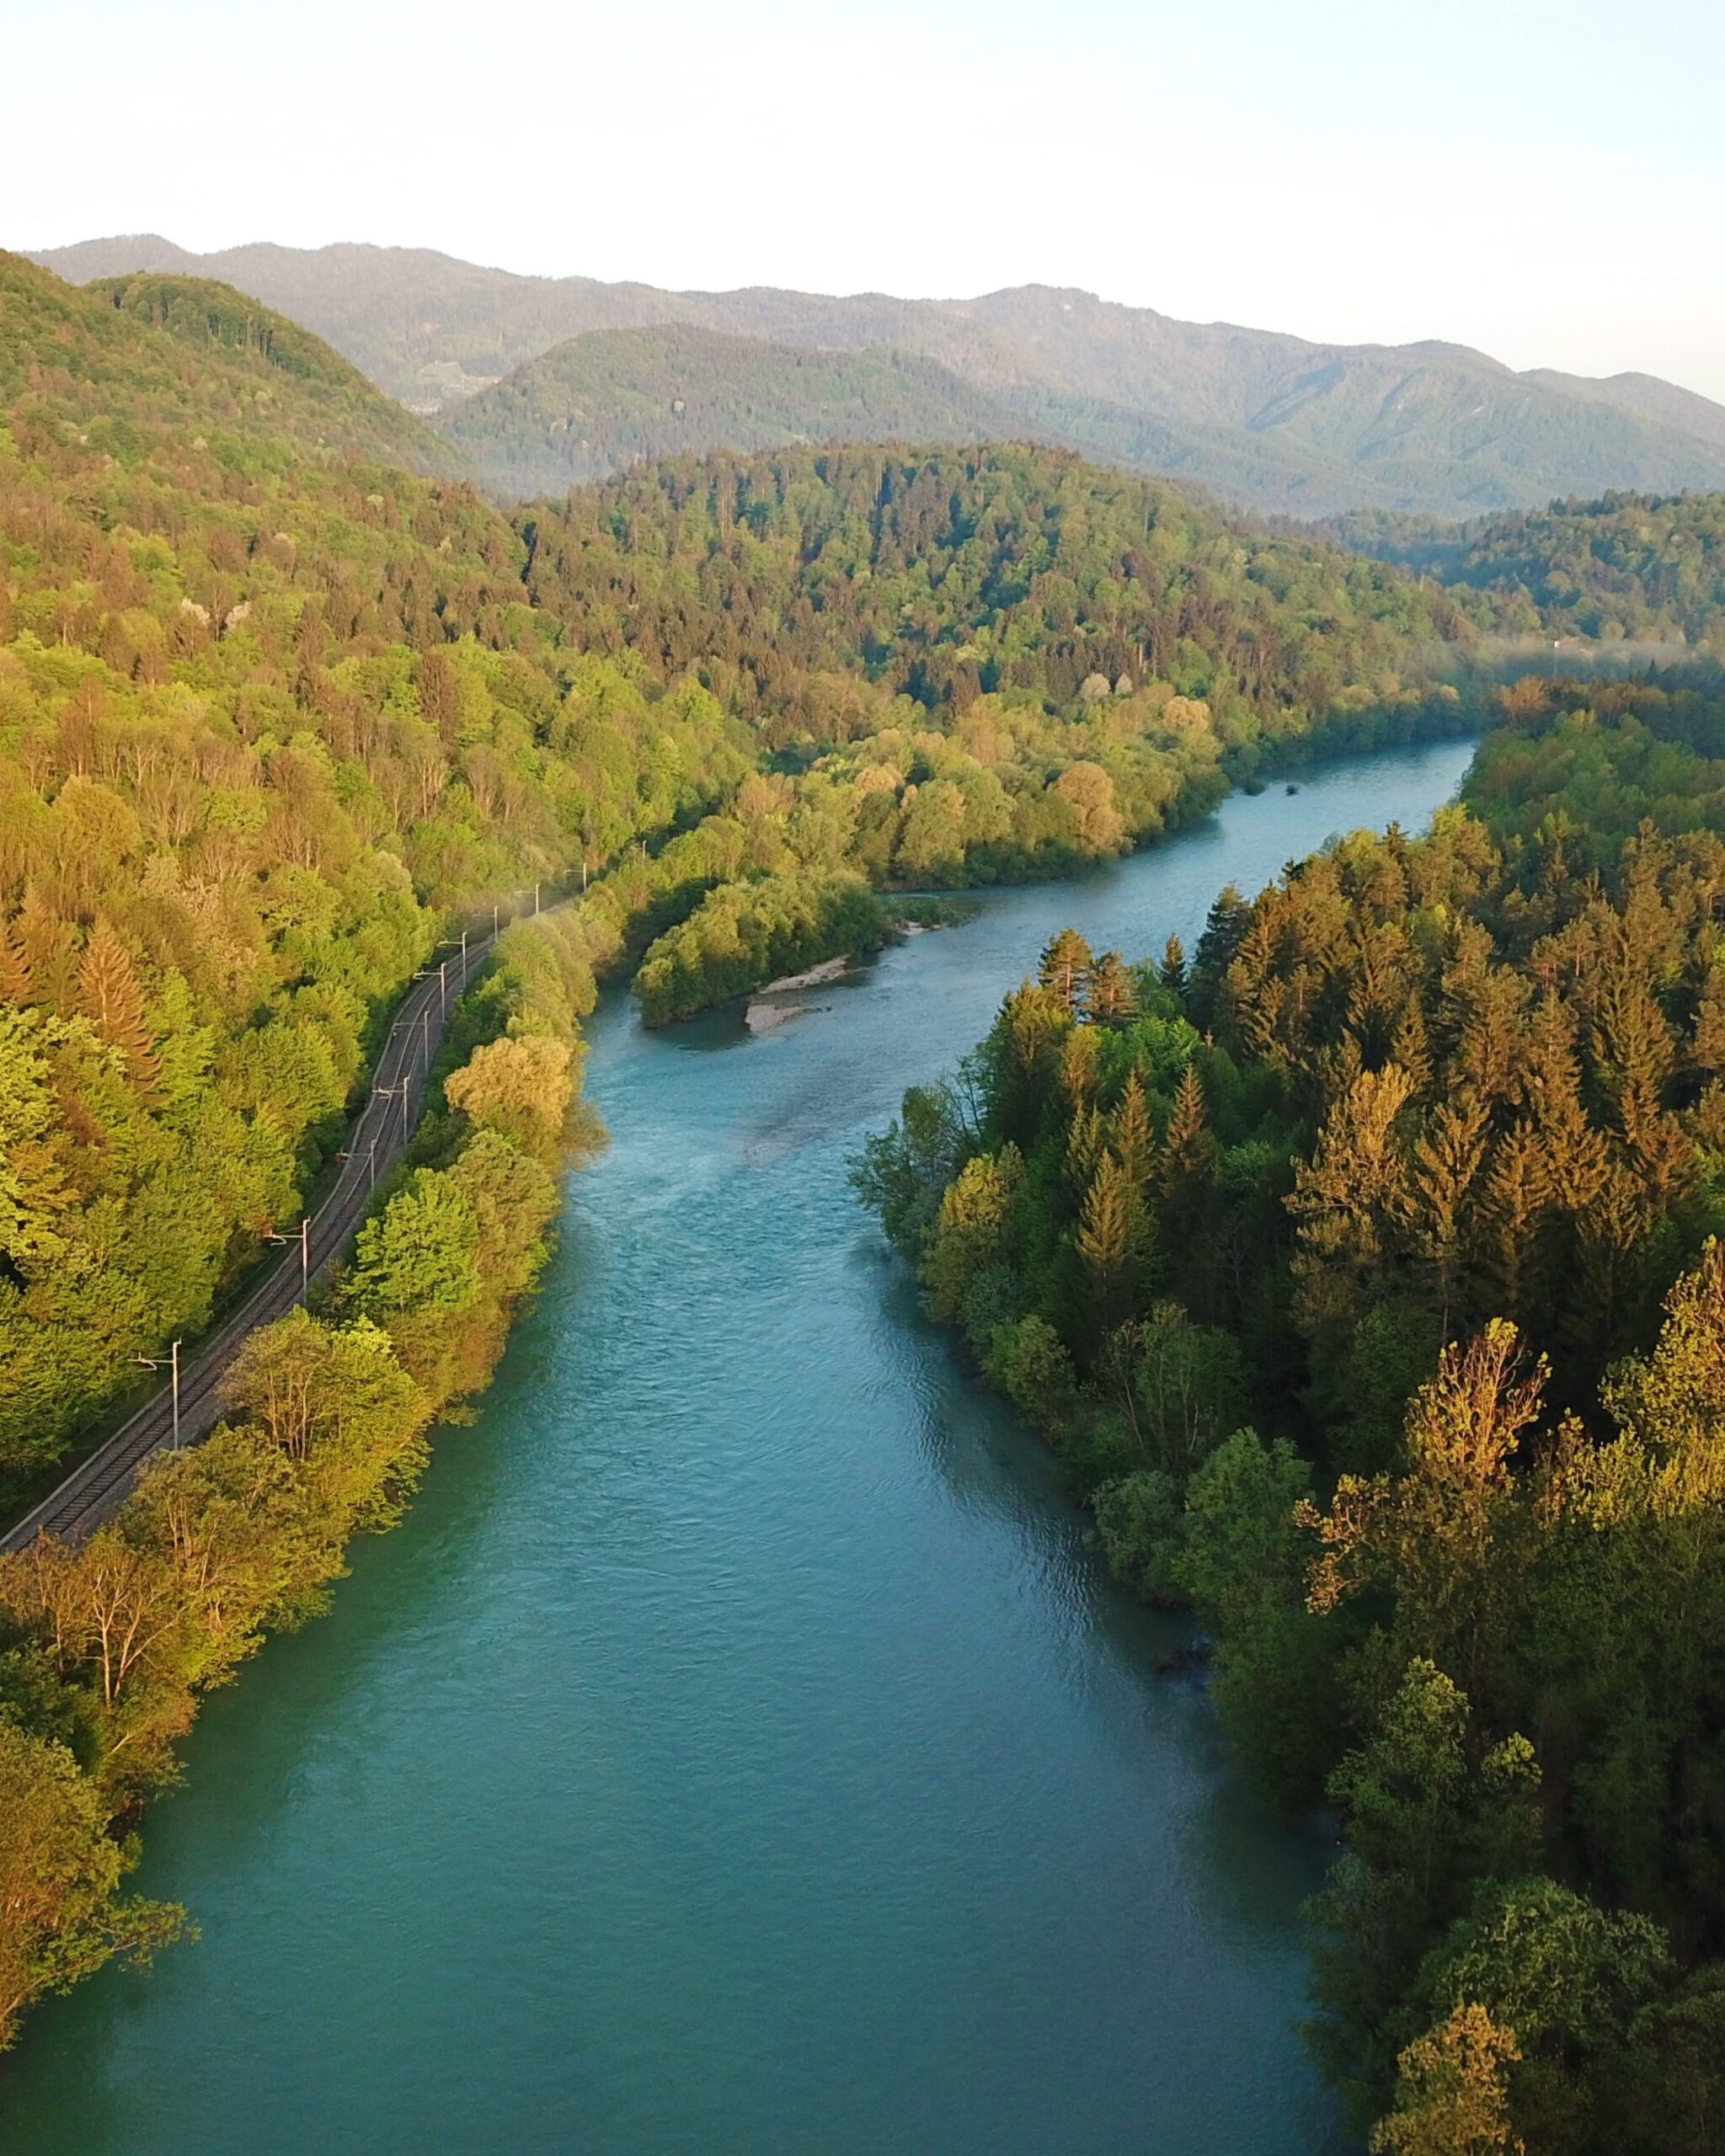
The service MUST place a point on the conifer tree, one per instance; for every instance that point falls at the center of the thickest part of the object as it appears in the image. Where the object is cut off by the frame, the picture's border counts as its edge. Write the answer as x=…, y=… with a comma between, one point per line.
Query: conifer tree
x=110, y=998
x=1085, y=1138
x=1105, y=1224
x=1516, y=1192
x=1172, y=972
x=50, y=952
x=1065, y=969
x=14, y=967
x=1442, y=1170
x=1132, y=1134
x=1187, y=1148
x=1110, y=997
x=1410, y=1046
x=1224, y=926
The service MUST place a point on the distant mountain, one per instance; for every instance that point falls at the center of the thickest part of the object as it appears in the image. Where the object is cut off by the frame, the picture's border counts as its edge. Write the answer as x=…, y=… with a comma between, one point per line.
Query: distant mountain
x=133, y=359
x=599, y=403
x=1271, y=420
x=1647, y=396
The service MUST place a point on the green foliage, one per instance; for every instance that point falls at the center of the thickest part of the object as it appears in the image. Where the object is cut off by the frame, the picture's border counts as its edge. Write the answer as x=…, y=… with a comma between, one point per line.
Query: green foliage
x=268, y=716
x=421, y=1251
x=1647, y=567
x=1241, y=1564
x=1430, y=1148
x=1138, y=1517
x=60, y=1873
x=1577, y=768
x=612, y=399
x=106, y=1646
x=825, y=582
x=742, y=935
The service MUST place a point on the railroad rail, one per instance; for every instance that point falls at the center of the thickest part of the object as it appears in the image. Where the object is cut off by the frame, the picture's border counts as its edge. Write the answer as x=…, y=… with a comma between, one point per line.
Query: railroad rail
x=376, y=1138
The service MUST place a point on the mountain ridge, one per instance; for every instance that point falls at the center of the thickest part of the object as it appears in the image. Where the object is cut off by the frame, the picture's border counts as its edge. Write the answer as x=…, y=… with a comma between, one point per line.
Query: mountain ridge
x=1273, y=421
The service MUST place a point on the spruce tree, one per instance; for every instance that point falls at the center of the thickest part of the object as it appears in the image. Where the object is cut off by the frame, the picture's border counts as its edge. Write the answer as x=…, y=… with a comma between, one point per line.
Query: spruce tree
x=1104, y=1240
x=1173, y=965
x=1111, y=998
x=14, y=967
x=1066, y=969
x=51, y=952
x=1133, y=1135
x=110, y=997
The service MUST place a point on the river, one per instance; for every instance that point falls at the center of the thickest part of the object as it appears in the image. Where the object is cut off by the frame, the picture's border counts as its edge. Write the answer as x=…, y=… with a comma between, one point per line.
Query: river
x=740, y=1751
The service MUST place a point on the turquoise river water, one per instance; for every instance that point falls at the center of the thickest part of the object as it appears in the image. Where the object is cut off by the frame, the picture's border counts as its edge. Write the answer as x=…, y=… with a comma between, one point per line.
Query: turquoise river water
x=740, y=1751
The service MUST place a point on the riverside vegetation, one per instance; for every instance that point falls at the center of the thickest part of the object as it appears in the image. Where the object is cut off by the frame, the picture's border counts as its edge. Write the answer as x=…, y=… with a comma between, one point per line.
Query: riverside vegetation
x=1366, y=1273
x=278, y=703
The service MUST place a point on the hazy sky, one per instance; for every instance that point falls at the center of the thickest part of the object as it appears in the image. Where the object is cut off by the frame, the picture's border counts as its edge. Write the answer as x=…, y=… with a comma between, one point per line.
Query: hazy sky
x=1544, y=180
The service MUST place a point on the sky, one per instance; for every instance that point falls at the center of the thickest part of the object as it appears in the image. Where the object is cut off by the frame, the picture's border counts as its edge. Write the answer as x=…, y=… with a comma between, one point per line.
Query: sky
x=1545, y=181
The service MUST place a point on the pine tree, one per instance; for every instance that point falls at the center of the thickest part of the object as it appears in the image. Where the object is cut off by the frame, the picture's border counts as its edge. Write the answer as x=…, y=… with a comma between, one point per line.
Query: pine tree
x=110, y=997
x=1132, y=1134
x=1111, y=998
x=50, y=952
x=1106, y=1221
x=1079, y=1057
x=1085, y=1138
x=1188, y=1149
x=1223, y=928
x=1173, y=965
x=14, y=967
x=1517, y=1193
x=1446, y=1163
x=1066, y=969
x=1410, y=1046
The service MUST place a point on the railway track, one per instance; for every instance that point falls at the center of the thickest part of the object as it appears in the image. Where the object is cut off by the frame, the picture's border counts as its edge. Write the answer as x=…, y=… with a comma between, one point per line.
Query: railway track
x=376, y=1138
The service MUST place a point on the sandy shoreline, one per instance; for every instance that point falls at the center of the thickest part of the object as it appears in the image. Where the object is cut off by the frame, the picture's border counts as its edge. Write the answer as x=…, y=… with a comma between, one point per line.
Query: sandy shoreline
x=816, y=977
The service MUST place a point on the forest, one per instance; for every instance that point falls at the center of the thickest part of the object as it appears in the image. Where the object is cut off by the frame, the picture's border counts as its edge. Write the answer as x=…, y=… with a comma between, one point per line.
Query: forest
x=603, y=402
x=1640, y=567
x=283, y=703
x=1364, y=1270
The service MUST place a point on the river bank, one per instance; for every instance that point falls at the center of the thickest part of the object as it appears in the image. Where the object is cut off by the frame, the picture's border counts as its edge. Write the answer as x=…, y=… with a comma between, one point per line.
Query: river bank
x=740, y=1746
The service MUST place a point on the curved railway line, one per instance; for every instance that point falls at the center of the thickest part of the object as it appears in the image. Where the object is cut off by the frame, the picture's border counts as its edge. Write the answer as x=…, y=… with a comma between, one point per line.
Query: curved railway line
x=375, y=1139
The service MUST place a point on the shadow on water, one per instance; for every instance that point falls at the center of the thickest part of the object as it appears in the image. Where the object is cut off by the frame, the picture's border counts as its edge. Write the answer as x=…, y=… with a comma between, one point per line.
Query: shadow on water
x=989, y=1458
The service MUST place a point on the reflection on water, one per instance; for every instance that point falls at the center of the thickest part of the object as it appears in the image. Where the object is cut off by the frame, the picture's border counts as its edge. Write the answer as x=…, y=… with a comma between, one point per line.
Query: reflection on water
x=740, y=1751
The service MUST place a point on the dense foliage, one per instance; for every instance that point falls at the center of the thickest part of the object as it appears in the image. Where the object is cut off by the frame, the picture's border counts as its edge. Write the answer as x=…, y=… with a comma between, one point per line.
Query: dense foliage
x=274, y=716
x=1365, y=1276
x=1641, y=566
x=268, y=719
x=1576, y=768
x=796, y=582
x=743, y=934
x=107, y=1645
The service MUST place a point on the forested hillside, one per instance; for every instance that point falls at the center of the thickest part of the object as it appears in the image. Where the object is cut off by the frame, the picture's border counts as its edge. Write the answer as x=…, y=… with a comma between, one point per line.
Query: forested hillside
x=1362, y=1268
x=1642, y=566
x=616, y=397
x=1579, y=769
x=277, y=711
x=272, y=713
x=269, y=716
x=951, y=575
x=220, y=362
x=1271, y=420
